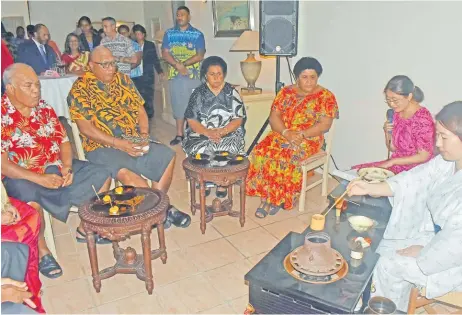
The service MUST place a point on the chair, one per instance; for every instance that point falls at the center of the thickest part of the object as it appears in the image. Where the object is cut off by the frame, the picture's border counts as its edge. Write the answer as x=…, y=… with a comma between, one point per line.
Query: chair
x=317, y=160
x=417, y=299
x=77, y=141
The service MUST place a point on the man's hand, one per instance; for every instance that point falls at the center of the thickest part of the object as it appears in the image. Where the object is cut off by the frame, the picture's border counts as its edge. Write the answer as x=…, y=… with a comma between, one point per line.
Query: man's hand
x=294, y=137
x=213, y=135
x=10, y=215
x=16, y=292
x=162, y=76
x=51, y=181
x=181, y=69
x=411, y=251
x=129, y=147
x=68, y=175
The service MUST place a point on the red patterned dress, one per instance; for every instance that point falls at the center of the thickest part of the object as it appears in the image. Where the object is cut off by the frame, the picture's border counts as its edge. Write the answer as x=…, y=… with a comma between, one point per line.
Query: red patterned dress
x=26, y=231
x=275, y=173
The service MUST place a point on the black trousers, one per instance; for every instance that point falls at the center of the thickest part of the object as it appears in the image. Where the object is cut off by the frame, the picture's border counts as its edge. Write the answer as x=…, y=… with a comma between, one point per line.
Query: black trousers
x=145, y=85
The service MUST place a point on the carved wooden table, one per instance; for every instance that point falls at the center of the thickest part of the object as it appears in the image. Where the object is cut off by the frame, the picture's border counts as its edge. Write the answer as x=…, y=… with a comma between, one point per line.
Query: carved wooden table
x=152, y=211
x=225, y=176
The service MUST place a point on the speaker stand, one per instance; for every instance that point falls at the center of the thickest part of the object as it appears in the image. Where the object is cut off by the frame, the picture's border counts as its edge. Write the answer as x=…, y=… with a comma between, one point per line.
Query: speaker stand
x=278, y=86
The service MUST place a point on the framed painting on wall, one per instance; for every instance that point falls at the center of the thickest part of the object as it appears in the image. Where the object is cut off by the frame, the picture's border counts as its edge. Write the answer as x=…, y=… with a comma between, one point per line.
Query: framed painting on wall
x=231, y=18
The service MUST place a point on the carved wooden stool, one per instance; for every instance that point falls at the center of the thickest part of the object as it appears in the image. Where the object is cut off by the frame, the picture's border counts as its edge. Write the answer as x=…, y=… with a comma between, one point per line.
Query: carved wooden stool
x=225, y=176
x=152, y=211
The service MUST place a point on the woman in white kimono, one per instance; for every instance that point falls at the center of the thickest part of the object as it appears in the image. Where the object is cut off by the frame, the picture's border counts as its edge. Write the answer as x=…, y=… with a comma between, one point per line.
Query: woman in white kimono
x=422, y=244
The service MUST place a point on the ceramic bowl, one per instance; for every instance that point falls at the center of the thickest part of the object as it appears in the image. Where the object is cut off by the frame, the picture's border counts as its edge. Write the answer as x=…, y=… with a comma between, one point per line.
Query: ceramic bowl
x=360, y=223
x=381, y=305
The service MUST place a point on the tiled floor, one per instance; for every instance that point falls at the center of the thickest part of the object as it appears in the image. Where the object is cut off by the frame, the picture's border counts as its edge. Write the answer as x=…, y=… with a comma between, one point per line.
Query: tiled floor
x=203, y=274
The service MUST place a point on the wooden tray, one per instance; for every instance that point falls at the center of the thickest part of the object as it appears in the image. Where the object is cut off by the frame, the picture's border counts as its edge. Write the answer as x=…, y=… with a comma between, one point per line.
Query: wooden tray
x=333, y=270
x=315, y=279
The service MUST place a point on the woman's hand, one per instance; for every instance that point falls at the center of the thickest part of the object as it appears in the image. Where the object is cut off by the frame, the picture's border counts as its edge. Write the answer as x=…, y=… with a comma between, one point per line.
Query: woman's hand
x=387, y=164
x=411, y=251
x=388, y=127
x=10, y=215
x=213, y=135
x=358, y=187
x=294, y=137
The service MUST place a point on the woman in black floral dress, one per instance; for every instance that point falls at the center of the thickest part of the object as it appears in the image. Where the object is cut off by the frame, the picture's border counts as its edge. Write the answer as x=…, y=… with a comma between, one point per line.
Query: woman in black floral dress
x=215, y=113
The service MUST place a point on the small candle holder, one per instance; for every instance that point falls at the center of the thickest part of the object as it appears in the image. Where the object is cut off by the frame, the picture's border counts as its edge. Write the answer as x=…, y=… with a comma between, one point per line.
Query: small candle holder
x=357, y=251
x=317, y=222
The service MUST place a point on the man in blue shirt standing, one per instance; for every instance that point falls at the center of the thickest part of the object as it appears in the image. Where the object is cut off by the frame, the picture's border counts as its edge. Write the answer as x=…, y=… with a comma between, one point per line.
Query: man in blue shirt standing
x=183, y=48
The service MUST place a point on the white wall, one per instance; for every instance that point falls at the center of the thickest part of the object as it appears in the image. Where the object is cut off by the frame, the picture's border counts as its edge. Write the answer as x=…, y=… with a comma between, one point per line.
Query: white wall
x=15, y=8
x=361, y=45
x=61, y=16
x=159, y=9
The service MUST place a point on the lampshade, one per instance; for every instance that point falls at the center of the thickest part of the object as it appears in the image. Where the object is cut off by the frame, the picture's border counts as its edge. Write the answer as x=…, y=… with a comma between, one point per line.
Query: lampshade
x=248, y=41
x=251, y=67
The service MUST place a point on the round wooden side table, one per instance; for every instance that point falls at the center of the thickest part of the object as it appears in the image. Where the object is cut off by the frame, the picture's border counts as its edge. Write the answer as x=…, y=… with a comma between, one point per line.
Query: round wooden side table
x=151, y=211
x=225, y=176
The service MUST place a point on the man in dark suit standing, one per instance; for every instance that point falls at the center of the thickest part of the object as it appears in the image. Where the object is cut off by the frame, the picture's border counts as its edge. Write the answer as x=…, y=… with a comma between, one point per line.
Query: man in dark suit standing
x=36, y=52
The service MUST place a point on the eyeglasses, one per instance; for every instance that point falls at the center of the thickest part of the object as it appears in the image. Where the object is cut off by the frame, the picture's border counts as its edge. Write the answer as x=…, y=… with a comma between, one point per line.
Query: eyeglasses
x=393, y=100
x=106, y=65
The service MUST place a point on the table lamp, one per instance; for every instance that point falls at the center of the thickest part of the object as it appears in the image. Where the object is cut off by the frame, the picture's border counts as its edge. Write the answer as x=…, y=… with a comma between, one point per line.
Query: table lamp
x=251, y=67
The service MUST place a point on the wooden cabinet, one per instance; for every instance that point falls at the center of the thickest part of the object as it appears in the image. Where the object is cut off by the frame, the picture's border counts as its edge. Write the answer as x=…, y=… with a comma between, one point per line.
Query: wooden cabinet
x=258, y=108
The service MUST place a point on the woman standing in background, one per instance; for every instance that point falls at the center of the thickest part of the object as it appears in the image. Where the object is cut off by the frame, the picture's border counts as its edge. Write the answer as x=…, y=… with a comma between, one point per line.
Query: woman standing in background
x=149, y=62
x=89, y=37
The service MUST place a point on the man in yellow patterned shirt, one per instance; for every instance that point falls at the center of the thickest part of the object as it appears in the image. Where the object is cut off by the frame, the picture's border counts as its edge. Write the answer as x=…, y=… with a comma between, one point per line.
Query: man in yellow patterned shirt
x=107, y=108
x=183, y=47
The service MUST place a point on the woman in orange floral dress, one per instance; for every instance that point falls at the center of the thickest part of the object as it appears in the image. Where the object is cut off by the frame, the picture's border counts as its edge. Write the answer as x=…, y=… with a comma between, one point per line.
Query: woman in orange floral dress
x=300, y=115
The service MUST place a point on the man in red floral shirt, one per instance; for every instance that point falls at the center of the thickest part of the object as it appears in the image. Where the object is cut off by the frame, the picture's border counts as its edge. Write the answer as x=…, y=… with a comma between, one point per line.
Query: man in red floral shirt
x=37, y=165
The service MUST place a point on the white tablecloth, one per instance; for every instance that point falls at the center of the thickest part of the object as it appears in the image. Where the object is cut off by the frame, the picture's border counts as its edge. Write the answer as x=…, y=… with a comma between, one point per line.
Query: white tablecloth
x=55, y=91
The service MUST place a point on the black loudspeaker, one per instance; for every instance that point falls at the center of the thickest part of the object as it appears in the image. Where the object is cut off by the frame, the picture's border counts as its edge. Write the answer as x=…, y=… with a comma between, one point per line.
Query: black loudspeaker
x=278, y=27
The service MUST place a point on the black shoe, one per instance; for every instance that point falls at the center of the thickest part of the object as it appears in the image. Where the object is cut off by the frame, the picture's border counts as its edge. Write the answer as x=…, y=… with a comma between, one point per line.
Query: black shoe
x=176, y=140
x=178, y=218
x=167, y=223
x=221, y=192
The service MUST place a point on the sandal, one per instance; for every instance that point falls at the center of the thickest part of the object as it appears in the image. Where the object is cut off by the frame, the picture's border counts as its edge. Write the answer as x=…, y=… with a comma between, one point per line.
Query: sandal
x=262, y=210
x=98, y=239
x=274, y=209
x=47, y=265
x=176, y=140
x=221, y=193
